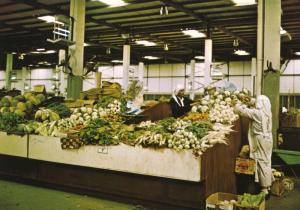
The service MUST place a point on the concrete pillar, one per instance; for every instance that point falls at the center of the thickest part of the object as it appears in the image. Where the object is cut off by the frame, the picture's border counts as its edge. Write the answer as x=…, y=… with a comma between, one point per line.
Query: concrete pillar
x=77, y=11
x=207, y=61
x=192, y=79
x=24, y=76
x=9, y=67
x=62, y=77
x=253, y=76
x=260, y=47
x=141, y=72
x=270, y=10
x=98, y=76
x=126, y=65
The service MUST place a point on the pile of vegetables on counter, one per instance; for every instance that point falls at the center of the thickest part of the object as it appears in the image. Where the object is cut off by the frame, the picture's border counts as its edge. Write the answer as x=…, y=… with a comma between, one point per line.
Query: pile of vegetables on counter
x=219, y=105
x=103, y=124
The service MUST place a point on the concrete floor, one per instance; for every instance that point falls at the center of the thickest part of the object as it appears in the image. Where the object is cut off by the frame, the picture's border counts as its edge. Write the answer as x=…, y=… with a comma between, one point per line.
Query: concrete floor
x=16, y=196
x=288, y=201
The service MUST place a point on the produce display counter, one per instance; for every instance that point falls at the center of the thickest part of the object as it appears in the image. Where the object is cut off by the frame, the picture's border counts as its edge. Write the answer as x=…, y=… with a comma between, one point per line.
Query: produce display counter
x=124, y=158
x=162, y=178
x=13, y=145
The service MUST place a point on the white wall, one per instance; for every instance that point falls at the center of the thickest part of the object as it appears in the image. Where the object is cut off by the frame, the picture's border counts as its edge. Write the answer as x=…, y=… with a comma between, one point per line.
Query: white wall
x=33, y=77
x=162, y=78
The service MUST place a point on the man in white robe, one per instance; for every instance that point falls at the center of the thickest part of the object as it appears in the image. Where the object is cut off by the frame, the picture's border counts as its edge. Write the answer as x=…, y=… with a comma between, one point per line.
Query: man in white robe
x=260, y=139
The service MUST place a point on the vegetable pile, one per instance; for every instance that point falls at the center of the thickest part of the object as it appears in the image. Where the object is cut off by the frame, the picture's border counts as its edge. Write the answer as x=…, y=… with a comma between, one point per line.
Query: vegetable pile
x=20, y=104
x=248, y=200
x=12, y=123
x=219, y=105
x=206, y=125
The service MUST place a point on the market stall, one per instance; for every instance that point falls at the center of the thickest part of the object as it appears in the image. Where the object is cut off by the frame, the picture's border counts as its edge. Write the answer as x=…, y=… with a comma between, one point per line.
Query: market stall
x=174, y=163
x=163, y=178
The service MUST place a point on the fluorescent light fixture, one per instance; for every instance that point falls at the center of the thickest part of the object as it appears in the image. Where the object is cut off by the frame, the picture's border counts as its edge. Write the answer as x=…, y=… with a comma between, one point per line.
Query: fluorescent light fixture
x=166, y=47
x=50, y=19
x=117, y=61
x=113, y=3
x=43, y=52
x=50, y=51
x=26, y=87
x=282, y=31
x=243, y=2
x=194, y=33
x=14, y=53
x=297, y=53
x=40, y=49
x=241, y=52
x=200, y=57
x=145, y=42
x=149, y=57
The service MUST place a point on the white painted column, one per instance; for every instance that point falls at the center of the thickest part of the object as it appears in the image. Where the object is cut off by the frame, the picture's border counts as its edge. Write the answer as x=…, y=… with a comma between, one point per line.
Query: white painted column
x=77, y=11
x=192, y=79
x=24, y=76
x=62, y=76
x=126, y=65
x=9, y=67
x=253, y=76
x=98, y=76
x=260, y=47
x=269, y=22
x=207, y=61
x=141, y=72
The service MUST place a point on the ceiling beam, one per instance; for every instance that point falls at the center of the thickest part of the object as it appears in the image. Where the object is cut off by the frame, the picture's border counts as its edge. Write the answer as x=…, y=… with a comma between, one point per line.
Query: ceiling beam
x=36, y=4
x=204, y=19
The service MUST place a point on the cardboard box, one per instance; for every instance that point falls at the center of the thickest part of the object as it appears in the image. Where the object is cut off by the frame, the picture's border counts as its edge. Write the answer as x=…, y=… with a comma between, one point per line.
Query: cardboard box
x=277, y=187
x=39, y=88
x=74, y=103
x=213, y=202
x=245, y=166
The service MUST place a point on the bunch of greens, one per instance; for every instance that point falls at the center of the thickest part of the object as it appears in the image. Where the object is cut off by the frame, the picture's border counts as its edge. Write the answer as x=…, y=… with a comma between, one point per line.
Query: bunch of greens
x=98, y=132
x=248, y=200
x=60, y=109
x=200, y=128
x=11, y=122
x=166, y=123
x=104, y=101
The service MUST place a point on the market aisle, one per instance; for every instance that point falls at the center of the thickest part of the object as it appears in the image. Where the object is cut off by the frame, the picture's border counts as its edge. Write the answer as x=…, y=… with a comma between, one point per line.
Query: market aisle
x=288, y=201
x=15, y=196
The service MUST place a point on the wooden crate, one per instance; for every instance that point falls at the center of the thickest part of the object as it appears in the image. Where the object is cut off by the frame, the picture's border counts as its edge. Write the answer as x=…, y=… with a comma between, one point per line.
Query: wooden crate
x=213, y=202
x=245, y=166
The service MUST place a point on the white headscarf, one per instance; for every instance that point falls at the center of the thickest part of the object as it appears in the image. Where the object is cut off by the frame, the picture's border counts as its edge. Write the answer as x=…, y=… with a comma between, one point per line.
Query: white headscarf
x=263, y=104
x=175, y=92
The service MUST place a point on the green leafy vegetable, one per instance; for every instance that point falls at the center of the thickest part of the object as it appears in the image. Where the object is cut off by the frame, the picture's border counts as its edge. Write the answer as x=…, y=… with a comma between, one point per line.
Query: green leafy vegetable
x=11, y=122
x=60, y=109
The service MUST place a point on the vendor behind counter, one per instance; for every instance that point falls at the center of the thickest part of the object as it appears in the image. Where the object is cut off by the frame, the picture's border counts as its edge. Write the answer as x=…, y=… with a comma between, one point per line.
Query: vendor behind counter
x=180, y=104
